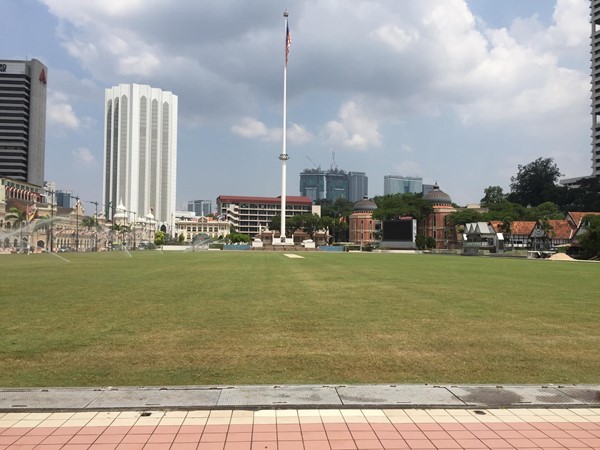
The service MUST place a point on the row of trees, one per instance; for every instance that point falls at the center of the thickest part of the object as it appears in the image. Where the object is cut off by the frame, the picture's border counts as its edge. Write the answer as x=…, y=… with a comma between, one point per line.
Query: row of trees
x=535, y=194
x=536, y=183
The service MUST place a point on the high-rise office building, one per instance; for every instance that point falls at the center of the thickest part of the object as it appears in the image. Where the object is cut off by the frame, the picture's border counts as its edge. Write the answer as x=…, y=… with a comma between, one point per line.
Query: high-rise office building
x=595, y=20
x=312, y=184
x=140, y=151
x=358, y=186
x=332, y=184
x=200, y=207
x=337, y=185
x=63, y=199
x=23, y=120
x=397, y=184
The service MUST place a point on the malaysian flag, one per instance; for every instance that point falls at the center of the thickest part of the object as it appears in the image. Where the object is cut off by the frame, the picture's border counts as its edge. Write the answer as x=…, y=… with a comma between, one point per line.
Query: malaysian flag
x=288, y=43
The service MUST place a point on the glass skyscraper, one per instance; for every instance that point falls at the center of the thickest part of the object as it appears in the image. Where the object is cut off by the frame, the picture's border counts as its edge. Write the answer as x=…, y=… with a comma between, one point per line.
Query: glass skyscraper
x=397, y=184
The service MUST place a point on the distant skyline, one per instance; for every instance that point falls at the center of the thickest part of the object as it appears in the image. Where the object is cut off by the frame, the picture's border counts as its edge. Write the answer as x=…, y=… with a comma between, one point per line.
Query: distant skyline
x=456, y=92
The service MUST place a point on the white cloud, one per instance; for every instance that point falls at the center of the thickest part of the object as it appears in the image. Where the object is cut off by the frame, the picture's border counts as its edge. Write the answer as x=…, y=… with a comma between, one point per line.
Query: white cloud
x=420, y=57
x=298, y=135
x=83, y=157
x=409, y=168
x=60, y=113
x=396, y=37
x=393, y=66
x=355, y=130
x=251, y=128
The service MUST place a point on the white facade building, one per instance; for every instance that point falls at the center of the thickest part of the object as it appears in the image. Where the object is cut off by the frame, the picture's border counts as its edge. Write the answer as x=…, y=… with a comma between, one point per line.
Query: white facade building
x=140, y=152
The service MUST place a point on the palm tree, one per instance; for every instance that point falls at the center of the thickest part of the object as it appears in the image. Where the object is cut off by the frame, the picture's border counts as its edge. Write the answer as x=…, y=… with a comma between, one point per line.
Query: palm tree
x=18, y=217
x=89, y=222
x=123, y=229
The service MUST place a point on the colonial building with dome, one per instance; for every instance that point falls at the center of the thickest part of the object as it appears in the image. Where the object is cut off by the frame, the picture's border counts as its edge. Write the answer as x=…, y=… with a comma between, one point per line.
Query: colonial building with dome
x=435, y=224
x=362, y=227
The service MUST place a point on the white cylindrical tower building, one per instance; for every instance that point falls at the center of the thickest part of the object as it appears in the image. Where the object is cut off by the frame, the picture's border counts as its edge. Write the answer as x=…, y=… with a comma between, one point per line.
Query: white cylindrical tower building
x=140, y=151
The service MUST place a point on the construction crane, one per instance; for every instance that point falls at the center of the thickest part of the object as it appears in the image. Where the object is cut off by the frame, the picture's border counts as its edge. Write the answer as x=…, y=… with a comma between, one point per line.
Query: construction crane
x=333, y=164
x=314, y=164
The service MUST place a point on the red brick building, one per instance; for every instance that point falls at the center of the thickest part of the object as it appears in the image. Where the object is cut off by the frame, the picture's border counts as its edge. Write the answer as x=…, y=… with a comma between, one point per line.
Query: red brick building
x=435, y=225
x=361, y=224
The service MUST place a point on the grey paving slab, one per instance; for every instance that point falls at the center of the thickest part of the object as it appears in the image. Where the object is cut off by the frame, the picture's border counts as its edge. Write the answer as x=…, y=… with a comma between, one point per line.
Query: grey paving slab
x=46, y=399
x=400, y=395
x=513, y=396
x=125, y=398
x=589, y=395
x=279, y=396
x=299, y=396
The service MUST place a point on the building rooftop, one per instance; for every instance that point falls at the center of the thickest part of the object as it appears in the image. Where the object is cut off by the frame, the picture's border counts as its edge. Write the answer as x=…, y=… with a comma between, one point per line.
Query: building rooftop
x=437, y=196
x=290, y=199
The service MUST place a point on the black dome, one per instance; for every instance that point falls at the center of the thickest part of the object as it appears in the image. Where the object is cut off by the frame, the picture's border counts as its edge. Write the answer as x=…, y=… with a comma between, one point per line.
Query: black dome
x=365, y=205
x=437, y=196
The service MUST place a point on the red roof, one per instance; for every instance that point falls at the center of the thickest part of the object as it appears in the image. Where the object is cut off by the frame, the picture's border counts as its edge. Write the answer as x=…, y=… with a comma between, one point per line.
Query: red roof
x=290, y=199
x=496, y=225
x=577, y=217
x=561, y=229
x=522, y=227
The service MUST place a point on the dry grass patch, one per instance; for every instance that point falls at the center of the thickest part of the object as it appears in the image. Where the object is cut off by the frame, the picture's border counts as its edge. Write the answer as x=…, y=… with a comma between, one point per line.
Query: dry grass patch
x=262, y=318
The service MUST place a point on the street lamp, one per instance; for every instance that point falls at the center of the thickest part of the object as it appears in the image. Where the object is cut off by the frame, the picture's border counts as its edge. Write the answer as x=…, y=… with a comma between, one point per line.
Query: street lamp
x=77, y=223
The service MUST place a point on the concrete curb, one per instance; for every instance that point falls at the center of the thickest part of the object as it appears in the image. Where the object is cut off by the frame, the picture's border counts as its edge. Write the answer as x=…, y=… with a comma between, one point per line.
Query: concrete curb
x=299, y=397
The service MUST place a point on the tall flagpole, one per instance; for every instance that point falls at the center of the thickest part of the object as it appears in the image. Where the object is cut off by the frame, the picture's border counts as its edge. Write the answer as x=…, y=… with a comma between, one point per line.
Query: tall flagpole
x=284, y=156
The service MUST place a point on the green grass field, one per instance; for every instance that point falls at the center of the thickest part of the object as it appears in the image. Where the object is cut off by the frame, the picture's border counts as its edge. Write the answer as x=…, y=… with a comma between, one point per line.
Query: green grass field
x=261, y=318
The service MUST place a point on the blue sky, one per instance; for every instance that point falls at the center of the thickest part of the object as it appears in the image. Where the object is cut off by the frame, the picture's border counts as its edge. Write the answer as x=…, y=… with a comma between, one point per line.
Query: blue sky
x=458, y=92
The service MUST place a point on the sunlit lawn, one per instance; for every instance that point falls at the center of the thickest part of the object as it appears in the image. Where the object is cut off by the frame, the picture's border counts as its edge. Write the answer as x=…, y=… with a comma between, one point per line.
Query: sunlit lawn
x=208, y=318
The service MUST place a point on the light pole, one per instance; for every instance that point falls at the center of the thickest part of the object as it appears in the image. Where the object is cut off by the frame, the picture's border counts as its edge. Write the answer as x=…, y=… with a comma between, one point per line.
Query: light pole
x=95, y=226
x=284, y=156
x=77, y=223
x=134, y=230
x=51, y=229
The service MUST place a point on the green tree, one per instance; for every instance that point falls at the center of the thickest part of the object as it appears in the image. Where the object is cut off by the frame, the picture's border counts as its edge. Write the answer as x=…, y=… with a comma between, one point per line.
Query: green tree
x=181, y=238
x=275, y=224
x=421, y=242
x=339, y=211
x=535, y=183
x=309, y=223
x=122, y=229
x=336, y=209
x=89, y=222
x=292, y=224
x=590, y=241
x=460, y=218
x=546, y=210
x=492, y=195
x=430, y=242
x=238, y=238
x=159, y=238
x=396, y=205
x=548, y=234
x=584, y=197
x=17, y=218
x=505, y=211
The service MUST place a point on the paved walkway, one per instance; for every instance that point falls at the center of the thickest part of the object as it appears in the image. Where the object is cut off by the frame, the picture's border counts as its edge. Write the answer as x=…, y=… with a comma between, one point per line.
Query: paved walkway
x=305, y=417
x=304, y=429
x=298, y=397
